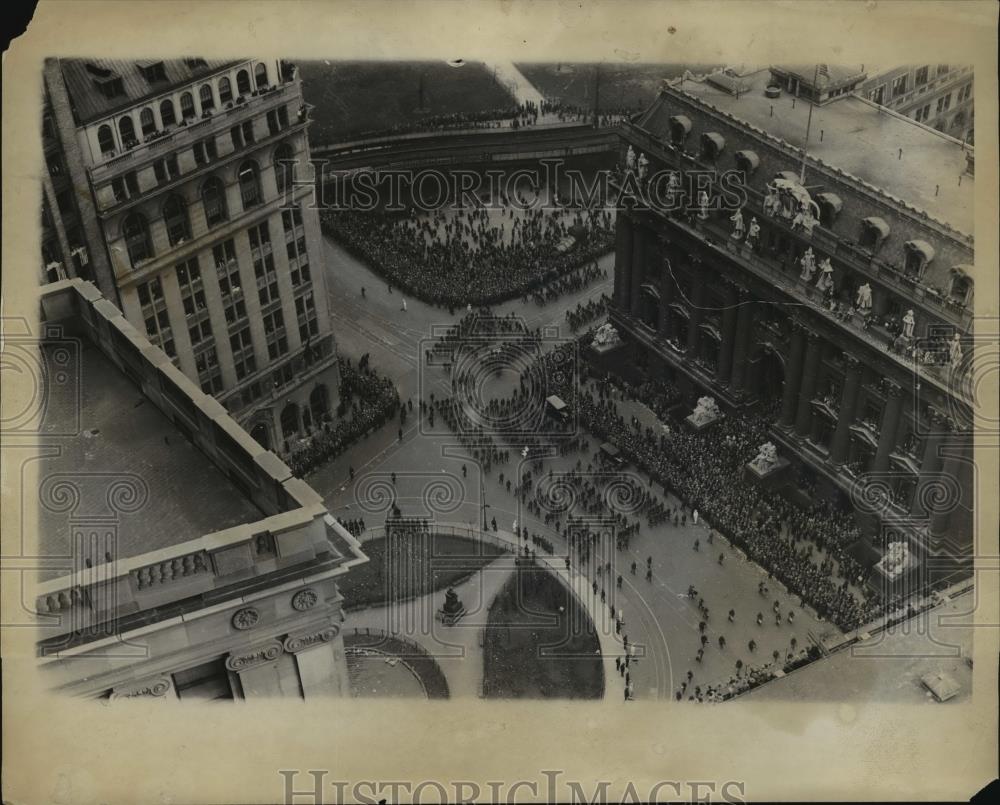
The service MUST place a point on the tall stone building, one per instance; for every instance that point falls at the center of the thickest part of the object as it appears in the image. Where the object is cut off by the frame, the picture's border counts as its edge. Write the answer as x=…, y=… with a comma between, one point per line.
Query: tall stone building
x=181, y=189
x=179, y=559
x=937, y=95
x=839, y=307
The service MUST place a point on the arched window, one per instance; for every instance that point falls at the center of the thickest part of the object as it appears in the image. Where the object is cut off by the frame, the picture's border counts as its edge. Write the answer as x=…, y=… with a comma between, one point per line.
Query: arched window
x=213, y=198
x=175, y=217
x=249, y=177
x=126, y=128
x=207, y=98
x=106, y=139
x=187, y=105
x=260, y=75
x=137, y=243
x=284, y=158
x=243, y=82
x=225, y=90
x=167, y=114
x=147, y=121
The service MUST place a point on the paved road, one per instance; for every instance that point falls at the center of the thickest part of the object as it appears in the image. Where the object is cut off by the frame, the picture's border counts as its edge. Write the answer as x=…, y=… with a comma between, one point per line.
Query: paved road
x=660, y=621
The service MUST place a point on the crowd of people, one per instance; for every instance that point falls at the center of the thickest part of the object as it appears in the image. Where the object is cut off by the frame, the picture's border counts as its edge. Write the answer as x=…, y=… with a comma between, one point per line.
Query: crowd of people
x=367, y=401
x=466, y=256
x=586, y=312
x=805, y=549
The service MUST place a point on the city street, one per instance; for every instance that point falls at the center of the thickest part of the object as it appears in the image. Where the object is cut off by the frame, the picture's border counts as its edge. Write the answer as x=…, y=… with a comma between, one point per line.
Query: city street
x=660, y=621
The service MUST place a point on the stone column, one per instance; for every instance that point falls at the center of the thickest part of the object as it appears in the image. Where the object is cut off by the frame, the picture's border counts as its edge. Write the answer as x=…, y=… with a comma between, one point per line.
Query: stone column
x=666, y=295
x=257, y=669
x=941, y=517
x=639, y=238
x=319, y=658
x=889, y=431
x=810, y=373
x=937, y=426
x=741, y=349
x=697, y=301
x=848, y=410
x=729, y=315
x=623, y=262
x=793, y=376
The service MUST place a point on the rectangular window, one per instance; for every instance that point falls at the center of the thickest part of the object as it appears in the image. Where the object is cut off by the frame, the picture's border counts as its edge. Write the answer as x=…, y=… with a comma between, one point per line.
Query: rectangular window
x=877, y=95
x=921, y=76
x=898, y=86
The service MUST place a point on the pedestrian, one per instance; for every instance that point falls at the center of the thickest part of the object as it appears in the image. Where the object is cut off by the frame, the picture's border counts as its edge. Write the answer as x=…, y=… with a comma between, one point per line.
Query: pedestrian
x=732, y=615
x=722, y=642
x=696, y=543
x=404, y=306
x=694, y=518
x=393, y=477
x=752, y=645
x=400, y=434
x=760, y=618
x=721, y=557
x=362, y=291
x=465, y=471
x=618, y=663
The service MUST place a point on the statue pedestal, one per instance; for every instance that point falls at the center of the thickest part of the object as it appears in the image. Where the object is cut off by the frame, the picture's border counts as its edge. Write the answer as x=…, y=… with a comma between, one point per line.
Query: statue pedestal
x=773, y=476
x=901, y=575
x=698, y=425
x=452, y=611
x=606, y=358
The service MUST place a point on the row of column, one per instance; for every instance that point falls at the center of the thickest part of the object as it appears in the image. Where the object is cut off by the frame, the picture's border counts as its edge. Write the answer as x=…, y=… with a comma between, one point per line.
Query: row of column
x=634, y=250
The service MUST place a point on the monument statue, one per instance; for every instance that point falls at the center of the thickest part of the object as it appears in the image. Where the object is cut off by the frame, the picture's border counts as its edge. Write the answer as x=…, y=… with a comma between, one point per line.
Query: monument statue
x=673, y=183
x=863, y=302
x=707, y=410
x=909, y=322
x=606, y=336
x=630, y=158
x=754, y=232
x=808, y=263
x=738, y=225
x=702, y=204
x=766, y=459
x=453, y=608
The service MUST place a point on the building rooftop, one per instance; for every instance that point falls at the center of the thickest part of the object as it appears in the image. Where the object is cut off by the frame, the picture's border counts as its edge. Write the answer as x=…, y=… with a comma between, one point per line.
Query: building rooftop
x=121, y=436
x=860, y=138
x=90, y=82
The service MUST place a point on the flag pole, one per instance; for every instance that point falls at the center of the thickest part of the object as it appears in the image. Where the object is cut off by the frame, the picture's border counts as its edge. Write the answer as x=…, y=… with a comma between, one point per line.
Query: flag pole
x=812, y=100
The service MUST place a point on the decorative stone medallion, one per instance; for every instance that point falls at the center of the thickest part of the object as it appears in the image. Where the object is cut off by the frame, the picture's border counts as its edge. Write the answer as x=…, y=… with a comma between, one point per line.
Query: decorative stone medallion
x=304, y=599
x=246, y=618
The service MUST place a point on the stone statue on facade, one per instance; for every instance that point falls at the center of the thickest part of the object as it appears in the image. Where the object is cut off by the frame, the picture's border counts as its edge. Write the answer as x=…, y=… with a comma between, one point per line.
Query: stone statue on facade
x=771, y=201
x=863, y=301
x=754, y=232
x=702, y=204
x=804, y=220
x=643, y=167
x=738, y=226
x=955, y=351
x=808, y=263
x=909, y=322
x=706, y=411
x=825, y=280
x=767, y=458
x=606, y=336
x=630, y=158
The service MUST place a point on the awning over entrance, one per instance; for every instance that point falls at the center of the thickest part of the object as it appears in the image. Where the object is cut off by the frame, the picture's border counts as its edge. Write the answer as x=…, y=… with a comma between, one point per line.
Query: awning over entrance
x=879, y=225
x=680, y=127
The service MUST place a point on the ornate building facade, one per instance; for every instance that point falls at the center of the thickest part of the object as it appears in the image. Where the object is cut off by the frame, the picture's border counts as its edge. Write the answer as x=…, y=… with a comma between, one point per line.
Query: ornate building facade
x=830, y=293
x=180, y=188
x=145, y=591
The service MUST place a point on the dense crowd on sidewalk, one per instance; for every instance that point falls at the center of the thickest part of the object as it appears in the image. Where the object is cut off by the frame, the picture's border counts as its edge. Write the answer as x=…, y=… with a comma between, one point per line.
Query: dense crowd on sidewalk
x=466, y=257
x=367, y=401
